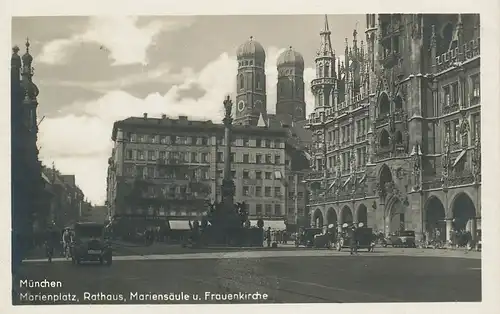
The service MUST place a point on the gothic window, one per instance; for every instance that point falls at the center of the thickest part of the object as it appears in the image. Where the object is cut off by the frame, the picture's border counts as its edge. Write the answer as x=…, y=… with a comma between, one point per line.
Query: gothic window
x=242, y=81
x=398, y=102
x=251, y=62
x=384, y=105
x=475, y=87
x=327, y=70
x=476, y=124
x=399, y=138
x=395, y=44
x=456, y=131
x=447, y=129
x=447, y=36
x=384, y=139
x=446, y=95
x=258, y=83
x=320, y=70
x=455, y=93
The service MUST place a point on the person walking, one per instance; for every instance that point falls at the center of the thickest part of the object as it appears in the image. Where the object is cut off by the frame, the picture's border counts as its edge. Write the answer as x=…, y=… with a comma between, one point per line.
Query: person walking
x=268, y=236
x=353, y=240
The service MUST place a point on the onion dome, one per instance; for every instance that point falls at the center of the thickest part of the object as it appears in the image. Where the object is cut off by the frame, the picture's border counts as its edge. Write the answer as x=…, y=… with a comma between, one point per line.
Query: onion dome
x=251, y=49
x=27, y=58
x=30, y=88
x=290, y=57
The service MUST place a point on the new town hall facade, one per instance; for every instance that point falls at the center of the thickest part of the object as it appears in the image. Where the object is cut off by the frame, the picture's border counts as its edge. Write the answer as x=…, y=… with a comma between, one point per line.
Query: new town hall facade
x=396, y=126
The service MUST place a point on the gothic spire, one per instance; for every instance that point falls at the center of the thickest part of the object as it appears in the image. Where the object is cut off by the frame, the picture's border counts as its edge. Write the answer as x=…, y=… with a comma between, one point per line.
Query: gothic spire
x=325, y=49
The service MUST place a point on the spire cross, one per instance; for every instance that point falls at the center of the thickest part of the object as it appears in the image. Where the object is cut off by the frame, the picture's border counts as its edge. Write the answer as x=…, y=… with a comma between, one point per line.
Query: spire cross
x=27, y=44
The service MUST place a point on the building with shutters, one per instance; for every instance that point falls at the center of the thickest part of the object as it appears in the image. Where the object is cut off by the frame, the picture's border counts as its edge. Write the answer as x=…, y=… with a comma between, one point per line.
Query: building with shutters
x=166, y=168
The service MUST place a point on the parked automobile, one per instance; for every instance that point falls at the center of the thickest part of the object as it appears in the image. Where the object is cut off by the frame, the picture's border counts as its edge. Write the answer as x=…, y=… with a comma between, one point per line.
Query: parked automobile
x=364, y=238
x=90, y=244
x=306, y=237
x=405, y=238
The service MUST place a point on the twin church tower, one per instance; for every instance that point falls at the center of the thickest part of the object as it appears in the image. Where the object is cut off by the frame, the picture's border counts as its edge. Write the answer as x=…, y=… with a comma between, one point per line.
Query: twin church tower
x=251, y=103
x=290, y=103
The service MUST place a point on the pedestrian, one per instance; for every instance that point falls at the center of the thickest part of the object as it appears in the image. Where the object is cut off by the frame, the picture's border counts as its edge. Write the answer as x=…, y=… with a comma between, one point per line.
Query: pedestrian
x=268, y=236
x=353, y=240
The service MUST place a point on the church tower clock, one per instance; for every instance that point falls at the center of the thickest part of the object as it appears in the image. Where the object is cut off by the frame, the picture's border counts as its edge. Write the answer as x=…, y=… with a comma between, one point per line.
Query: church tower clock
x=250, y=84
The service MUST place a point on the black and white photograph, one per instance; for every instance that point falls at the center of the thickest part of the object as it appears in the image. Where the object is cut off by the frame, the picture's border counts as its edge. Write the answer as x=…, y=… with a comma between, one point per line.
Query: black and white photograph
x=246, y=159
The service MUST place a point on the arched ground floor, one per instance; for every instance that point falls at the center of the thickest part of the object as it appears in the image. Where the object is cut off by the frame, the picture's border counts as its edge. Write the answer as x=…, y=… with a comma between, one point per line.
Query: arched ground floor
x=433, y=214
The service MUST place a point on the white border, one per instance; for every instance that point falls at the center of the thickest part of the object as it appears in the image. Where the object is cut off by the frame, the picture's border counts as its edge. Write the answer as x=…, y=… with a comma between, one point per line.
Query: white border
x=490, y=67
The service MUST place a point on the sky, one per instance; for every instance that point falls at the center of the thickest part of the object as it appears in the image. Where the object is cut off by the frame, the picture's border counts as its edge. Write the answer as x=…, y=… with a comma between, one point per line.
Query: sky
x=93, y=71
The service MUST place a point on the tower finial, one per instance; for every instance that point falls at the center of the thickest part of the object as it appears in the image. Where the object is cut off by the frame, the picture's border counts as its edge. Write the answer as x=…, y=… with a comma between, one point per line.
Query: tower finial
x=327, y=28
x=251, y=37
x=27, y=44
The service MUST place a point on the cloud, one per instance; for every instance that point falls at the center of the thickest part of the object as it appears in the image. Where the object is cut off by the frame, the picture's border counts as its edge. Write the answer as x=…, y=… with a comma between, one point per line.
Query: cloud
x=121, y=37
x=79, y=139
x=160, y=74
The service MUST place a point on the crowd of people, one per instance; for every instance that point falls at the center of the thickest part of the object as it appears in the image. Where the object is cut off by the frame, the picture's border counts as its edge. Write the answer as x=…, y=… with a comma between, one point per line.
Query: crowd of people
x=277, y=236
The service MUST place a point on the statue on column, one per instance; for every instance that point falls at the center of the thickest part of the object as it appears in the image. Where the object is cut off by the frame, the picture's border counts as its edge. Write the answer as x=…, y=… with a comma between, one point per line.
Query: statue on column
x=417, y=167
x=446, y=161
x=464, y=130
x=228, y=105
x=476, y=159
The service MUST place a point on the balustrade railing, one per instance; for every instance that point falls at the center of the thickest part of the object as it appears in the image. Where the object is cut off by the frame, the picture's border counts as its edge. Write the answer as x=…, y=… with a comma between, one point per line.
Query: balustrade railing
x=450, y=58
x=447, y=109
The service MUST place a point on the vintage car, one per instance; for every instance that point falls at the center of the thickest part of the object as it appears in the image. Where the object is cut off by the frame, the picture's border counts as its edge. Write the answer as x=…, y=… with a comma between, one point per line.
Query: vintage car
x=364, y=237
x=306, y=237
x=90, y=243
x=405, y=238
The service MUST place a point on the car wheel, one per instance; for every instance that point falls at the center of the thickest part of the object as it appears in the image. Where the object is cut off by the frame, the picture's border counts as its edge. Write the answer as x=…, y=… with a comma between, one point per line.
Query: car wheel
x=109, y=261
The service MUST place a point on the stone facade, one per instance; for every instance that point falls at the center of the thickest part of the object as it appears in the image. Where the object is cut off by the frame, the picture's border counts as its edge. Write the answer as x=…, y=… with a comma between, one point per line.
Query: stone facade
x=398, y=145
x=182, y=163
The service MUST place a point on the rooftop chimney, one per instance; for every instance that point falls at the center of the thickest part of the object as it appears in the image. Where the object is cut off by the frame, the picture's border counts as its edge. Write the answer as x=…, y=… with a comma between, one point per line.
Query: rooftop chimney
x=145, y=115
x=163, y=116
x=183, y=118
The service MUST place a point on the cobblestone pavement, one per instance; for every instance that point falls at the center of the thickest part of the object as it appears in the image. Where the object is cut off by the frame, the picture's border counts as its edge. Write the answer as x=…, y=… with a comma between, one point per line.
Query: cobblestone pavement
x=395, y=275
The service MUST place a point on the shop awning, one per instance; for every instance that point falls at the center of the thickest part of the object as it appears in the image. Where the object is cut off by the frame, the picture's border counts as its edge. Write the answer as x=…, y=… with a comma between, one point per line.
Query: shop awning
x=179, y=225
x=459, y=157
x=274, y=224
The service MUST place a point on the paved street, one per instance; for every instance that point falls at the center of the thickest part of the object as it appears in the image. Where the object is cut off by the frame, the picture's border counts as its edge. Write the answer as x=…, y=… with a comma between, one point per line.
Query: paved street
x=285, y=276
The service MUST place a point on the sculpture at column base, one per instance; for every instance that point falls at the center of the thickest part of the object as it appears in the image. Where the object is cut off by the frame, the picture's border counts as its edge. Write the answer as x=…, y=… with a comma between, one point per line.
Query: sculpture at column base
x=227, y=223
x=227, y=190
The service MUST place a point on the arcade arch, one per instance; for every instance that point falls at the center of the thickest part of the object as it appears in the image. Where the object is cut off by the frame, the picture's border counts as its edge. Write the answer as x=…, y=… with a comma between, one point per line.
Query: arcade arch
x=318, y=218
x=395, y=216
x=435, y=223
x=346, y=215
x=464, y=213
x=331, y=216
